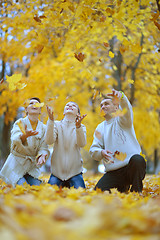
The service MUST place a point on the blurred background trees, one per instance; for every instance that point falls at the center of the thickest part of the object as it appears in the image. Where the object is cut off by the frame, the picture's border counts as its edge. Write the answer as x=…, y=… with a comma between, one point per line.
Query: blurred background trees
x=77, y=50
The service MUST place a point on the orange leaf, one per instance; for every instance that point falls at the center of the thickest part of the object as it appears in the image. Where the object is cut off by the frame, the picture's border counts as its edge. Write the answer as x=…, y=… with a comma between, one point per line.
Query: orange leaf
x=120, y=156
x=80, y=56
x=39, y=48
x=1, y=81
x=20, y=125
x=157, y=25
x=103, y=19
x=37, y=19
x=105, y=44
x=155, y=16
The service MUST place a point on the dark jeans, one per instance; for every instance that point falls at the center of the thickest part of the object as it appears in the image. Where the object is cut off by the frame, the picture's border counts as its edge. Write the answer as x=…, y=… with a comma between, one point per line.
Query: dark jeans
x=132, y=174
x=75, y=181
x=29, y=179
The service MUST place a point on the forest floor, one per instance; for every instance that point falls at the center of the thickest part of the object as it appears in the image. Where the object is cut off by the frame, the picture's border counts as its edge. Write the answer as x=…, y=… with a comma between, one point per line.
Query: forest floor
x=47, y=212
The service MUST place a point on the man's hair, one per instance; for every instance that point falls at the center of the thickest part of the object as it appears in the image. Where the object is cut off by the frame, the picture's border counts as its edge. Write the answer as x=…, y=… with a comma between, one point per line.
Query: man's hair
x=35, y=98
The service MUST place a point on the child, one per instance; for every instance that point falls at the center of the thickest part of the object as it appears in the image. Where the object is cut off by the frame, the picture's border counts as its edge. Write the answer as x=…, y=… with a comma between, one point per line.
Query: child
x=28, y=148
x=68, y=136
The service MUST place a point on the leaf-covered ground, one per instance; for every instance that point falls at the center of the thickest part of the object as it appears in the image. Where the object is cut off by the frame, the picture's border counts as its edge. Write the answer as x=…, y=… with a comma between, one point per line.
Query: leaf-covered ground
x=46, y=212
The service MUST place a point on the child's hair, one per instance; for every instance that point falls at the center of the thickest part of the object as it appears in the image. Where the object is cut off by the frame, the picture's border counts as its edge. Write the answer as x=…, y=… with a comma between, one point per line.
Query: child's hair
x=35, y=98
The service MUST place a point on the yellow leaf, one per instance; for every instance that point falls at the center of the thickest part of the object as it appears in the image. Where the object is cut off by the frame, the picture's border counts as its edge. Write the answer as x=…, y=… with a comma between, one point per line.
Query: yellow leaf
x=38, y=105
x=13, y=81
x=21, y=126
x=111, y=54
x=131, y=81
x=120, y=156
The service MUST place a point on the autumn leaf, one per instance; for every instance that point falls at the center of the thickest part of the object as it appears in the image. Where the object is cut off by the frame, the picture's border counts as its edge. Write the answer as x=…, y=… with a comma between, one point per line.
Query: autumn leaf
x=131, y=81
x=116, y=100
x=37, y=19
x=102, y=113
x=106, y=44
x=155, y=16
x=111, y=54
x=110, y=11
x=37, y=105
x=21, y=126
x=103, y=19
x=80, y=56
x=120, y=156
x=96, y=92
x=13, y=81
x=1, y=81
x=39, y=48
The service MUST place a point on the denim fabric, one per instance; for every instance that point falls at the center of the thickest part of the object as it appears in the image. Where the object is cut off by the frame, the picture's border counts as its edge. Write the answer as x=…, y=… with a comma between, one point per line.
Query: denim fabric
x=29, y=179
x=75, y=181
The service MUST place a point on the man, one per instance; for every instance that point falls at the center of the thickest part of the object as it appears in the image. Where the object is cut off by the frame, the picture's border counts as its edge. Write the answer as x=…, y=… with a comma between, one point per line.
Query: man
x=115, y=142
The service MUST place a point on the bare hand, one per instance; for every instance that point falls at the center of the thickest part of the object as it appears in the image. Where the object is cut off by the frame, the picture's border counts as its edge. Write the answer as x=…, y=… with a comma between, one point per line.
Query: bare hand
x=79, y=119
x=27, y=134
x=107, y=155
x=50, y=113
x=41, y=159
x=115, y=93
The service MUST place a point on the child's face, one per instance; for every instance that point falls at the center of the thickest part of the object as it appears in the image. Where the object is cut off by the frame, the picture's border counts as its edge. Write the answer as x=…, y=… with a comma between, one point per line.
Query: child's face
x=71, y=108
x=31, y=110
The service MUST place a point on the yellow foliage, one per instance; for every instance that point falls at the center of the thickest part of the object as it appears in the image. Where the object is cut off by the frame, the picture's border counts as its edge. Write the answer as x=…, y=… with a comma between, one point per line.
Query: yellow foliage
x=47, y=212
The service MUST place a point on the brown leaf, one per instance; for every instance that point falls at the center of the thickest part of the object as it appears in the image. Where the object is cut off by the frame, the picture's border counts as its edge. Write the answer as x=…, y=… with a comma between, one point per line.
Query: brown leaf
x=105, y=44
x=39, y=48
x=157, y=25
x=103, y=19
x=80, y=56
x=1, y=81
x=37, y=19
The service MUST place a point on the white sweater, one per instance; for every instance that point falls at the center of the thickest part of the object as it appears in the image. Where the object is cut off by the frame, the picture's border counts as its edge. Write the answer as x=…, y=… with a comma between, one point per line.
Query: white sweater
x=117, y=134
x=66, y=160
x=23, y=157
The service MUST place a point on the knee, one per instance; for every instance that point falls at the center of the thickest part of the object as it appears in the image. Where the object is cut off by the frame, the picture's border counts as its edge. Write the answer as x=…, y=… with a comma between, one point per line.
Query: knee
x=137, y=160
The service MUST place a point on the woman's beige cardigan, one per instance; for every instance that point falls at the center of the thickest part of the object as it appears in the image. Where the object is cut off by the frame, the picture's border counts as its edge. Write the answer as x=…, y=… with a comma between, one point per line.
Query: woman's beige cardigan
x=22, y=158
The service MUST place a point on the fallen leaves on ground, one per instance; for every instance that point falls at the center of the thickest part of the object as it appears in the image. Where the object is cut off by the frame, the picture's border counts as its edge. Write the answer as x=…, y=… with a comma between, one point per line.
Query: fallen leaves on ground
x=49, y=212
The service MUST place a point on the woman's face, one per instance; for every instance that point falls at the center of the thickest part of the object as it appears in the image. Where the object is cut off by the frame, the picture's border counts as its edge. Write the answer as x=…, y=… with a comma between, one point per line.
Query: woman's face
x=31, y=110
x=71, y=108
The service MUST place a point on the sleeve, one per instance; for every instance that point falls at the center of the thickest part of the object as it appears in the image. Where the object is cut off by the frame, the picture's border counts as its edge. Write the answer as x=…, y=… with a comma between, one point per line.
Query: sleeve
x=127, y=119
x=81, y=136
x=51, y=132
x=43, y=149
x=16, y=143
x=97, y=145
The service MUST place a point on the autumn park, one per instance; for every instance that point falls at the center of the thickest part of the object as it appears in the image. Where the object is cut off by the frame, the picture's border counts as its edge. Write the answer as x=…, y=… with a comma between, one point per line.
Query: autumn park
x=78, y=52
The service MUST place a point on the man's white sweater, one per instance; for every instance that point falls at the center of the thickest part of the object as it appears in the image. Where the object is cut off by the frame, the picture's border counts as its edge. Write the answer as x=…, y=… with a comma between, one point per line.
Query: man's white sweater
x=116, y=135
x=66, y=160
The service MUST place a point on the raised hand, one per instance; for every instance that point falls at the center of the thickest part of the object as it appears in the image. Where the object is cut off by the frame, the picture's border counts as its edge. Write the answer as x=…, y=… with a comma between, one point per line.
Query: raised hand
x=27, y=134
x=50, y=113
x=79, y=119
x=106, y=154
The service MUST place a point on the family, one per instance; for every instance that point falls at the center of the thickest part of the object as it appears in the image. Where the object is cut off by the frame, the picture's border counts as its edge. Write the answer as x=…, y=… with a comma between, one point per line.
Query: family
x=114, y=143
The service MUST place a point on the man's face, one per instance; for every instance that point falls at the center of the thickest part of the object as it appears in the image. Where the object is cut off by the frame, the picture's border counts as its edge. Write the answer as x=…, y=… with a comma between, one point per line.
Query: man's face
x=71, y=108
x=31, y=110
x=108, y=107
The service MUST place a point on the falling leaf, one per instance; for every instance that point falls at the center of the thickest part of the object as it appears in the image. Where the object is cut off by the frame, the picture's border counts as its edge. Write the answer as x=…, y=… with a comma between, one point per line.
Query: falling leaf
x=37, y=19
x=38, y=105
x=131, y=81
x=26, y=103
x=80, y=57
x=105, y=44
x=100, y=60
x=21, y=126
x=96, y=92
x=120, y=156
x=39, y=48
x=13, y=81
x=109, y=10
x=111, y=54
x=1, y=81
x=103, y=19
x=144, y=156
x=98, y=134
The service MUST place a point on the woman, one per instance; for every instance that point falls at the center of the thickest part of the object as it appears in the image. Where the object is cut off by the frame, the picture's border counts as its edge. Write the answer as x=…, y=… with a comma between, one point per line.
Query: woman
x=68, y=136
x=28, y=148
